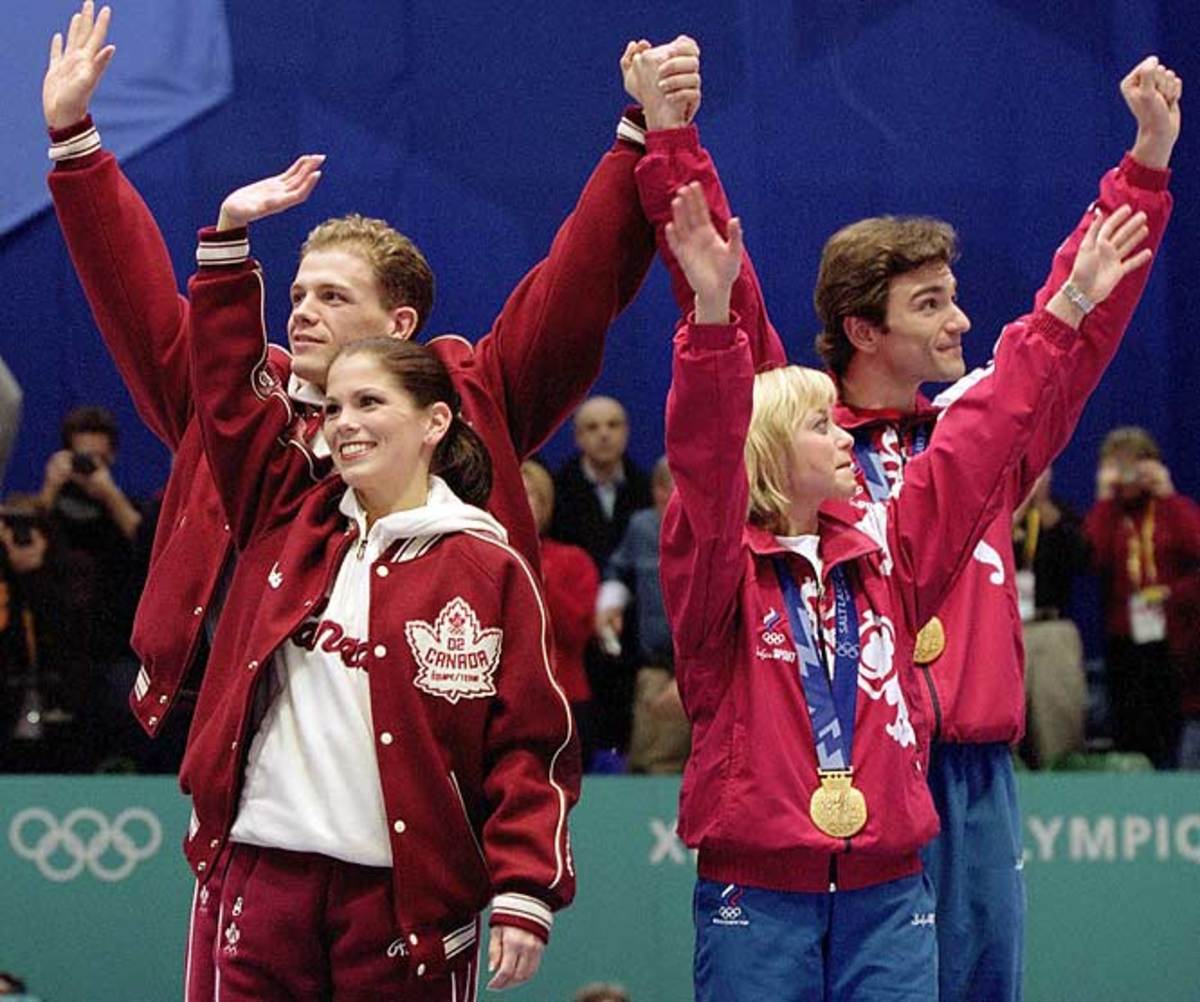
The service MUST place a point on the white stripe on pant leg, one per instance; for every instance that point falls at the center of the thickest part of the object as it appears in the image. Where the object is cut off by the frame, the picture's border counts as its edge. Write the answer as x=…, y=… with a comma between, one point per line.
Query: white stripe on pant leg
x=187, y=963
x=453, y=987
x=216, y=944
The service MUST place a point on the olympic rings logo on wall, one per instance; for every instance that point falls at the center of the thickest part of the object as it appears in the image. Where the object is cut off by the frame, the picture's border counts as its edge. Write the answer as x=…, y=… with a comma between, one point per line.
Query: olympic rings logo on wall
x=85, y=838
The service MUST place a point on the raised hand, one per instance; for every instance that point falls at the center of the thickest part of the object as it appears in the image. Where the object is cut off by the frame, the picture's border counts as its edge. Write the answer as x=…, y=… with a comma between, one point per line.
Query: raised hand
x=76, y=66
x=24, y=558
x=629, y=76
x=710, y=263
x=1109, y=252
x=1108, y=476
x=1155, y=478
x=1152, y=92
x=271, y=194
x=679, y=77
x=665, y=80
x=58, y=472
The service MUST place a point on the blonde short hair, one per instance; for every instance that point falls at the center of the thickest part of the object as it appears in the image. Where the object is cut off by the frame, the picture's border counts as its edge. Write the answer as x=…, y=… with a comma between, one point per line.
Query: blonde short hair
x=403, y=274
x=782, y=399
x=1131, y=441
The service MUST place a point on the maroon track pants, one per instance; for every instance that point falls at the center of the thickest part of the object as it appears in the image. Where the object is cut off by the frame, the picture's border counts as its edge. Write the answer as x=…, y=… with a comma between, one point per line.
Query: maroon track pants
x=271, y=924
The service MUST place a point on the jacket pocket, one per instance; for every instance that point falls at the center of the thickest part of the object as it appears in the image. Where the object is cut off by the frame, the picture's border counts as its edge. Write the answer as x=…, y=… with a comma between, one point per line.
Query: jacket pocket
x=467, y=819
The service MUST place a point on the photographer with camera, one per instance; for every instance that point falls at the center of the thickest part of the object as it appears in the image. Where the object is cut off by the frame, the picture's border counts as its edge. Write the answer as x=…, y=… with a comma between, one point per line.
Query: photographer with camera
x=42, y=668
x=95, y=530
x=1145, y=541
x=79, y=486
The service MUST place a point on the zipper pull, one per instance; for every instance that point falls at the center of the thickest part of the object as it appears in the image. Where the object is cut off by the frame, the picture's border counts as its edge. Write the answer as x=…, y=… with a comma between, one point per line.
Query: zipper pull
x=362, y=548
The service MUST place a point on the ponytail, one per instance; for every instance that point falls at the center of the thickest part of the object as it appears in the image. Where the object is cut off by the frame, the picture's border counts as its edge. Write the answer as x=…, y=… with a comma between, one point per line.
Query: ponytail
x=461, y=459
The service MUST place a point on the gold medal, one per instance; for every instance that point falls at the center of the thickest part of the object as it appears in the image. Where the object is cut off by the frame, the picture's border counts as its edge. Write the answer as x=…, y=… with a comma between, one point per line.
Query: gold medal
x=837, y=807
x=931, y=641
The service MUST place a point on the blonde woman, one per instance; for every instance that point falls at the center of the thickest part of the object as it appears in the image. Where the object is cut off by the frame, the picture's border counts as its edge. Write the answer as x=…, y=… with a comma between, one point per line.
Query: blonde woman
x=794, y=615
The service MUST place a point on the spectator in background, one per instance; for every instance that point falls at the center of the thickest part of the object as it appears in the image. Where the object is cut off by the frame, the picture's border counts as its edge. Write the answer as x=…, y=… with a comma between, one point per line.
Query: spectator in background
x=1145, y=541
x=1049, y=550
x=10, y=415
x=44, y=681
x=598, y=488
x=95, y=527
x=597, y=491
x=661, y=736
x=570, y=583
x=13, y=987
x=601, y=991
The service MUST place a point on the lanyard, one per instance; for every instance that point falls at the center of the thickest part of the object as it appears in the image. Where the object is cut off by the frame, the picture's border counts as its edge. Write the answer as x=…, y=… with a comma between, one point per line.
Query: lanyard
x=872, y=467
x=1033, y=526
x=831, y=704
x=1140, y=560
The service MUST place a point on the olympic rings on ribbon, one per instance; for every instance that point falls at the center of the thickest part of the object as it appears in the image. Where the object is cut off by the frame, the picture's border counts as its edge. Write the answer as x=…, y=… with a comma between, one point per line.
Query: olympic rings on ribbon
x=81, y=850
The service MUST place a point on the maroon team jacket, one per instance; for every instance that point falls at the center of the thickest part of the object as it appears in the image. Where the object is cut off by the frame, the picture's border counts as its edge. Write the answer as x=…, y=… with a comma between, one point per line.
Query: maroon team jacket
x=518, y=384
x=477, y=772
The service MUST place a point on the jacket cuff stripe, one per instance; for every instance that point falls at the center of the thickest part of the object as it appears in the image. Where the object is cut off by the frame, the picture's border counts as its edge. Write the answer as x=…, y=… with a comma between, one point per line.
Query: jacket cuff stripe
x=223, y=253
x=76, y=146
x=631, y=132
x=522, y=906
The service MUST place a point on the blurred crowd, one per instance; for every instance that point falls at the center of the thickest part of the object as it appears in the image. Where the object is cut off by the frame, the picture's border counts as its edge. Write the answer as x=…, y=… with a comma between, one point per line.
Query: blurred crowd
x=74, y=555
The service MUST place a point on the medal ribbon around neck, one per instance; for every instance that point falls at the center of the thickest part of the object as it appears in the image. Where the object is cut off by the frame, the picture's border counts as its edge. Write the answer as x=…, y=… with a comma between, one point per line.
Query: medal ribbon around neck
x=831, y=704
x=871, y=465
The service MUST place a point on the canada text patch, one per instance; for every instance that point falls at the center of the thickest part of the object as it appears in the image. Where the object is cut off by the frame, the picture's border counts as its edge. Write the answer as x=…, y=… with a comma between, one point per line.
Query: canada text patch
x=456, y=657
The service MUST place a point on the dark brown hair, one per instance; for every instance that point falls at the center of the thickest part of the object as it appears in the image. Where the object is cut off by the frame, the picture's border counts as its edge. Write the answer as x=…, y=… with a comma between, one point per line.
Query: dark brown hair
x=98, y=420
x=461, y=458
x=857, y=264
x=403, y=274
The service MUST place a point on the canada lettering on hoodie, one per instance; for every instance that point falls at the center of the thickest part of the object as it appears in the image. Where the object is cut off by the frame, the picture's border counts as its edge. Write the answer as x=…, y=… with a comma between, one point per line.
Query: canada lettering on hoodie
x=312, y=776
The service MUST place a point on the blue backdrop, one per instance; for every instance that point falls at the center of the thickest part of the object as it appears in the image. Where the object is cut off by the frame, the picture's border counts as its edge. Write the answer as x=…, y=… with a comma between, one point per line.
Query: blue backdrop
x=472, y=127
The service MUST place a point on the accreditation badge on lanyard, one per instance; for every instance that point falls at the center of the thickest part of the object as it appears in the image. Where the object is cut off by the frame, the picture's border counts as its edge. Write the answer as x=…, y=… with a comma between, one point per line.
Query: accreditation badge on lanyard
x=837, y=807
x=1147, y=602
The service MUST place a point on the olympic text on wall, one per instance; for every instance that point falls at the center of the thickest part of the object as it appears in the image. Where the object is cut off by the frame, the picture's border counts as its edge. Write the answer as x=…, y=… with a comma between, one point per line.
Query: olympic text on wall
x=1112, y=864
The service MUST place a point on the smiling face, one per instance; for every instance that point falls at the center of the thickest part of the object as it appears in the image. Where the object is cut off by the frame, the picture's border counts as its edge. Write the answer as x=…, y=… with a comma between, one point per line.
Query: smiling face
x=336, y=299
x=381, y=440
x=924, y=327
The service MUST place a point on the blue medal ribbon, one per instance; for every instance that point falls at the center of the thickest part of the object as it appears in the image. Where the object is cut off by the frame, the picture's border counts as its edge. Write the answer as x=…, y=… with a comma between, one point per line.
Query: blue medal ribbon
x=871, y=466
x=831, y=703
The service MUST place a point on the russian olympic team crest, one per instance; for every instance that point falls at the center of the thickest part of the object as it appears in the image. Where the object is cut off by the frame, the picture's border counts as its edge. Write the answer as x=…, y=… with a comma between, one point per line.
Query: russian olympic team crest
x=456, y=656
x=730, y=910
